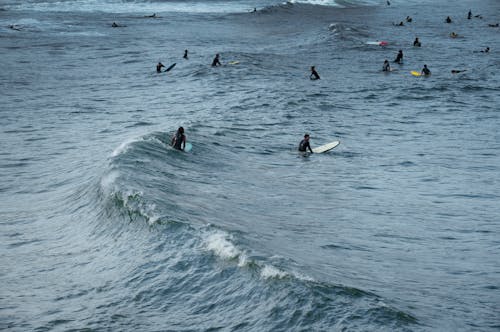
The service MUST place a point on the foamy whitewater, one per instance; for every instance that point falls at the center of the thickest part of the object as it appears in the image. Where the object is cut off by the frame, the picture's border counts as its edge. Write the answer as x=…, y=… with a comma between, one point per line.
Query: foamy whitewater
x=105, y=227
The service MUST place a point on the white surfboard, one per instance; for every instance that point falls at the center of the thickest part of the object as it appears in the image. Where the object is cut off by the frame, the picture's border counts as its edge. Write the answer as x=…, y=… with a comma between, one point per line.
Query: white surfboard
x=188, y=147
x=326, y=147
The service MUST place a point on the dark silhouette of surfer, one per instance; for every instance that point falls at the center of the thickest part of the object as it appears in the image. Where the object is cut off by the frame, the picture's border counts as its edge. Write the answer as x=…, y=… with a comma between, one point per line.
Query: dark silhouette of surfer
x=448, y=20
x=426, y=71
x=417, y=42
x=179, y=140
x=386, y=66
x=159, y=66
x=216, y=61
x=314, y=74
x=185, y=54
x=399, y=57
x=304, y=144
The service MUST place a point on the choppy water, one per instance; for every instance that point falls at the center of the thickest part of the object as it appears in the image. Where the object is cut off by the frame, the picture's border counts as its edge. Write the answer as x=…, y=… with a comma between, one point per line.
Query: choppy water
x=104, y=227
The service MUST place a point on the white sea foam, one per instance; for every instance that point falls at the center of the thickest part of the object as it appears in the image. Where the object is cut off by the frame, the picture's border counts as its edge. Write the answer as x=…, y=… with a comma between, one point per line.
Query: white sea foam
x=271, y=272
x=220, y=244
x=124, y=146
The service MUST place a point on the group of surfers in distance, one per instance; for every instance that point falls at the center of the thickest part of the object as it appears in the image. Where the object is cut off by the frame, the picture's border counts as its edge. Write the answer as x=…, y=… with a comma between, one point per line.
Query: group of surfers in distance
x=386, y=67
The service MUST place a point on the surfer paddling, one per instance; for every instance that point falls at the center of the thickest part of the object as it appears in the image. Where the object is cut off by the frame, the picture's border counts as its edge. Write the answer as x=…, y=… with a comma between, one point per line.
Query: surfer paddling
x=304, y=144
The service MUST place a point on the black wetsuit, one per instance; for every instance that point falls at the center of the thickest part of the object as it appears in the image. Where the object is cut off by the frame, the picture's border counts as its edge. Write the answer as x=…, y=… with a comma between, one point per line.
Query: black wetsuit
x=314, y=75
x=426, y=71
x=399, y=57
x=179, y=138
x=304, y=145
x=216, y=62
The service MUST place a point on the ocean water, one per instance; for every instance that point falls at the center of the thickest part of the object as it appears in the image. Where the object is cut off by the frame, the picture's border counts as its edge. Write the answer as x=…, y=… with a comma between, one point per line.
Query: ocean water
x=104, y=227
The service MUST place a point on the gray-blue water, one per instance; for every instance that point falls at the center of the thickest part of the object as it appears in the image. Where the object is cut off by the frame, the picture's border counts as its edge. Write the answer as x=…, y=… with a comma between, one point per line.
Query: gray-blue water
x=104, y=227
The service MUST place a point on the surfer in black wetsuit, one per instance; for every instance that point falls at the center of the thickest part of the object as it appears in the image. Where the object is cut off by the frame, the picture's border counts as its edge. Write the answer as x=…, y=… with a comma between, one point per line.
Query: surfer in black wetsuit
x=179, y=139
x=399, y=57
x=386, y=66
x=486, y=50
x=304, y=144
x=469, y=16
x=448, y=20
x=185, y=54
x=159, y=66
x=417, y=42
x=314, y=74
x=426, y=71
x=216, y=61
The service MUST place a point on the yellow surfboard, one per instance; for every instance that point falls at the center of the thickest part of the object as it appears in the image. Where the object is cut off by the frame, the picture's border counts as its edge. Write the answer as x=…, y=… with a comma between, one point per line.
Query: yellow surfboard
x=415, y=73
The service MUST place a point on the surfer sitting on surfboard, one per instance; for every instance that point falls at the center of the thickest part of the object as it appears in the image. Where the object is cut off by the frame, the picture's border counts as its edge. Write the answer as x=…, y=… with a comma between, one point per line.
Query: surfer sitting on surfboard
x=399, y=57
x=386, y=66
x=159, y=66
x=179, y=140
x=426, y=71
x=417, y=42
x=314, y=74
x=304, y=144
x=216, y=61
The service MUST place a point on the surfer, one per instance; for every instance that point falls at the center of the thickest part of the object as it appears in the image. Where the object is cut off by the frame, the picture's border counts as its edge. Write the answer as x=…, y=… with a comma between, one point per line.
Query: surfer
x=469, y=16
x=179, y=140
x=408, y=19
x=486, y=50
x=114, y=25
x=493, y=25
x=14, y=27
x=216, y=61
x=426, y=71
x=152, y=16
x=159, y=66
x=456, y=71
x=399, y=57
x=386, y=66
x=416, y=42
x=304, y=144
x=185, y=54
x=314, y=74
x=453, y=35
x=448, y=19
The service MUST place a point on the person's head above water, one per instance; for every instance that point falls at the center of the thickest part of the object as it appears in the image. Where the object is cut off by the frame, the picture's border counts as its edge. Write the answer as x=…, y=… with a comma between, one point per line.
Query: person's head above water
x=181, y=130
x=306, y=136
